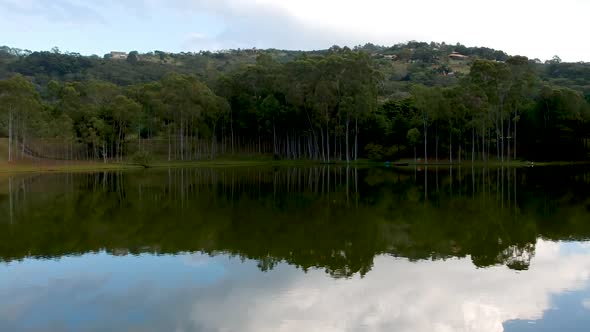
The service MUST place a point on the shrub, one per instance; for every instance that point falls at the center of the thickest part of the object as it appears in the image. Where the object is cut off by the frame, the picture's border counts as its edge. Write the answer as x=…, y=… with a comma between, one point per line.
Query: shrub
x=378, y=152
x=142, y=158
x=374, y=151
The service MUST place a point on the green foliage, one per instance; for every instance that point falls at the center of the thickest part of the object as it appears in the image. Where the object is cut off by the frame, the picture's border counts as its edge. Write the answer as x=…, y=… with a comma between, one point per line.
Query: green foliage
x=413, y=136
x=374, y=151
x=378, y=152
x=133, y=57
x=323, y=105
x=142, y=158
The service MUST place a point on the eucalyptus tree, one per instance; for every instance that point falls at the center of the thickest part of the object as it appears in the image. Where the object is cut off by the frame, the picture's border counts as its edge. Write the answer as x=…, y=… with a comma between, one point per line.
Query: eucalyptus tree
x=125, y=113
x=270, y=112
x=428, y=102
x=556, y=126
x=360, y=84
x=413, y=137
x=216, y=110
x=193, y=110
x=456, y=113
x=20, y=107
x=149, y=122
x=521, y=94
x=298, y=94
x=325, y=100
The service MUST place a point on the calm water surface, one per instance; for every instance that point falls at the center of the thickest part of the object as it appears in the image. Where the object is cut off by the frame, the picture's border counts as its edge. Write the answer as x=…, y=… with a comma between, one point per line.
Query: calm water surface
x=297, y=249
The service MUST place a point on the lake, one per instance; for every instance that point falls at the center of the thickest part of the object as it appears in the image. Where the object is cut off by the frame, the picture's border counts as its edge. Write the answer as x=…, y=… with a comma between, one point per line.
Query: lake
x=297, y=249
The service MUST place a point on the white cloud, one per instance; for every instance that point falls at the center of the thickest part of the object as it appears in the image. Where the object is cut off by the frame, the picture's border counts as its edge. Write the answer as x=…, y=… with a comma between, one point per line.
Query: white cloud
x=535, y=28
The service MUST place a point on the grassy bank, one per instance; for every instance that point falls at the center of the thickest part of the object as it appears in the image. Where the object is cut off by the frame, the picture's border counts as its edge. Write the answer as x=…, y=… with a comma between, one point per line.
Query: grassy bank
x=61, y=166
x=494, y=163
x=47, y=166
x=250, y=161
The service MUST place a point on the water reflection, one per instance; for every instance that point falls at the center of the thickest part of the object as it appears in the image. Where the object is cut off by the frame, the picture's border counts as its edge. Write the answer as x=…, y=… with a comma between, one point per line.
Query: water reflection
x=309, y=217
x=437, y=249
x=200, y=293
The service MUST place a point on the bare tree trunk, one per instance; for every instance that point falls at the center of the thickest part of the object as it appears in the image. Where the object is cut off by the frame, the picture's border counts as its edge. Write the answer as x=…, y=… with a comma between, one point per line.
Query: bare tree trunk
x=22, y=145
x=335, y=145
x=232, y=132
x=483, y=143
x=497, y=144
x=502, y=138
x=213, y=139
x=10, y=134
x=489, y=144
x=323, y=146
x=425, y=122
x=169, y=145
x=347, y=139
x=274, y=139
x=356, y=138
x=120, y=147
x=327, y=141
x=139, y=137
x=472, y=145
x=436, y=143
x=181, y=134
x=515, y=122
x=104, y=151
x=451, y=148
x=508, y=134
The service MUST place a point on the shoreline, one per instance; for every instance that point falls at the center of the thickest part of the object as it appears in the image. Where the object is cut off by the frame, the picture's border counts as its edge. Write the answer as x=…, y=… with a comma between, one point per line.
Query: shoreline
x=77, y=166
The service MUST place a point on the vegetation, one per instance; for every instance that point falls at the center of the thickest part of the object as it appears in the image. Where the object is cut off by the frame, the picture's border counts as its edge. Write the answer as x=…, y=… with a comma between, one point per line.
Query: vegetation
x=457, y=103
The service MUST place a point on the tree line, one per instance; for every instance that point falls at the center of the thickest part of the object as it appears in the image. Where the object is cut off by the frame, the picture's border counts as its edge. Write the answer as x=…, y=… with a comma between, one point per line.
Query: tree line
x=330, y=106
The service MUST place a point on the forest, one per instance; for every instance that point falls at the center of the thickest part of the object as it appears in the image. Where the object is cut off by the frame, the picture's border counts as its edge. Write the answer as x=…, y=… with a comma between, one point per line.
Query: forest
x=427, y=102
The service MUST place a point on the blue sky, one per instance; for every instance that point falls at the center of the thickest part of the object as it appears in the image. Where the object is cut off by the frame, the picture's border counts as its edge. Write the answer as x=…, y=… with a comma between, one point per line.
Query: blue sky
x=535, y=28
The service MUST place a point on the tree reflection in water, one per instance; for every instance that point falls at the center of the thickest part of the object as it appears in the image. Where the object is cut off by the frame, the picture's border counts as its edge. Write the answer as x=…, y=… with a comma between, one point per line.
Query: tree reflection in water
x=336, y=218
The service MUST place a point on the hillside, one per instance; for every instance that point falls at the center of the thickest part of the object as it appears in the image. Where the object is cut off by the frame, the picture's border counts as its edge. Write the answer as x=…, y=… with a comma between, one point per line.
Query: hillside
x=431, y=64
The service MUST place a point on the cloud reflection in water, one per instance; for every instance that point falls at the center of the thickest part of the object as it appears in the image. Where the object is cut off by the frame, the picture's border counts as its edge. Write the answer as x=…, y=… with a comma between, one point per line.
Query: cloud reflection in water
x=201, y=293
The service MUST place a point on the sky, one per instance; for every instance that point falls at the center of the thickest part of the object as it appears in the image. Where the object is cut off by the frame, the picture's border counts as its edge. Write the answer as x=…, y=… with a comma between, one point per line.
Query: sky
x=533, y=28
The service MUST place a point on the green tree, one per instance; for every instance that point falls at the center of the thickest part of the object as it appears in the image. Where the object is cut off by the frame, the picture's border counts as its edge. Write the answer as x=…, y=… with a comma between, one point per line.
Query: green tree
x=413, y=137
x=133, y=57
x=20, y=108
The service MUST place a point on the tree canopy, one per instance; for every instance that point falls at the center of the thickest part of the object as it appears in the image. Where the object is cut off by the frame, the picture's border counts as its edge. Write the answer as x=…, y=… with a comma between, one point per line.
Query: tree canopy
x=339, y=104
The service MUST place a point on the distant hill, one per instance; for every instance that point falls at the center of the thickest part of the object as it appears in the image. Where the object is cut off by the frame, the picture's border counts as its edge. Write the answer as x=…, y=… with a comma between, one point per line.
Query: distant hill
x=432, y=64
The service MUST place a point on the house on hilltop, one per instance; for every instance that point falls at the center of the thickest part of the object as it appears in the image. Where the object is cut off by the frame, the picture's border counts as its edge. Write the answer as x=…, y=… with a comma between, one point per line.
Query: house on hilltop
x=458, y=56
x=118, y=55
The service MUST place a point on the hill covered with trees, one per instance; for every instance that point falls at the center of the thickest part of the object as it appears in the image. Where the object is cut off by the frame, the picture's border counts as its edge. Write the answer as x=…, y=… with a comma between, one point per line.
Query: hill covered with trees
x=415, y=100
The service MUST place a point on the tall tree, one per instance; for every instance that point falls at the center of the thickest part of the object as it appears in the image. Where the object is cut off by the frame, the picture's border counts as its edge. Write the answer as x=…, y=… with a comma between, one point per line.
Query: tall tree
x=20, y=106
